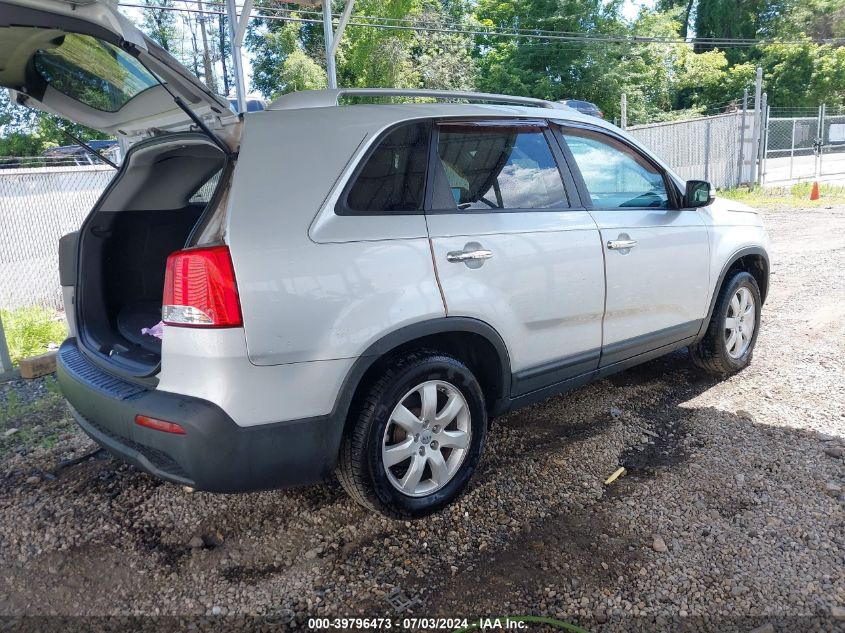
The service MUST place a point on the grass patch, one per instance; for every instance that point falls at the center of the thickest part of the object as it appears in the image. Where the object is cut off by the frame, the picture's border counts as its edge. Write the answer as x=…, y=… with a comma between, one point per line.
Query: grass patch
x=29, y=331
x=796, y=195
x=39, y=423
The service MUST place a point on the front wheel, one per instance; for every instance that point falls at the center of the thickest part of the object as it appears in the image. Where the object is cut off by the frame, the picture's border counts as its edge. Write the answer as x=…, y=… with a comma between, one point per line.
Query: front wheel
x=417, y=438
x=728, y=344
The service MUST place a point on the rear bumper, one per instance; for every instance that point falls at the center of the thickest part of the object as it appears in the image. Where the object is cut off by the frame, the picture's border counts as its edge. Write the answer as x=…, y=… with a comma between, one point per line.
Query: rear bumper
x=214, y=454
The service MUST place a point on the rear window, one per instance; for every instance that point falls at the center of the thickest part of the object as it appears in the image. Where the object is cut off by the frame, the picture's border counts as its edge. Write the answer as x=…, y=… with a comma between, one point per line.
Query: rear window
x=500, y=167
x=92, y=71
x=393, y=178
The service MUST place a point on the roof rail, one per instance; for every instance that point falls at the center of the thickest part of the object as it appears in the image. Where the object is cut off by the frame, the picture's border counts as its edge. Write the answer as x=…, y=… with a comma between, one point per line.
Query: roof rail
x=327, y=98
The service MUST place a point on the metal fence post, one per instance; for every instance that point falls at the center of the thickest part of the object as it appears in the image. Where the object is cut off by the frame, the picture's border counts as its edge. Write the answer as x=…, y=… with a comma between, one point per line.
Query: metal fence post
x=755, y=131
x=821, y=139
x=5, y=361
x=764, y=139
x=761, y=140
x=741, y=162
x=707, y=150
x=792, y=149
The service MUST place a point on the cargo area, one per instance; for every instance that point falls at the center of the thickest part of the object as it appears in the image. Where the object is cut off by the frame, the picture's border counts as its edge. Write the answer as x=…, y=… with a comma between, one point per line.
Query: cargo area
x=155, y=206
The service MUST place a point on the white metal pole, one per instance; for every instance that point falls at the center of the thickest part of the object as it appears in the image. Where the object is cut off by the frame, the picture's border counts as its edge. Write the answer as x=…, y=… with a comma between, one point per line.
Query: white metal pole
x=328, y=30
x=237, y=62
x=761, y=151
x=792, y=149
x=755, y=130
x=341, y=26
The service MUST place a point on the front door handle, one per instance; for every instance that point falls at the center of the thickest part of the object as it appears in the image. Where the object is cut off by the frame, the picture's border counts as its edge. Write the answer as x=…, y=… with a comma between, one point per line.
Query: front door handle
x=468, y=256
x=621, y=245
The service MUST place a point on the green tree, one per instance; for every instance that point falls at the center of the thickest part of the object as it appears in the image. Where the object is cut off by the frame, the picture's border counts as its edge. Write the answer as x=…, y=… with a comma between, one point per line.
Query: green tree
x=159, y=23
x=380, y=58
x=28, y=132
x=805, y=75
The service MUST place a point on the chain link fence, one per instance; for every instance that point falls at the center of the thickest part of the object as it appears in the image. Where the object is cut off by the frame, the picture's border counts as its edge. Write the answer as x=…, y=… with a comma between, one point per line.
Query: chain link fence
x=803, y=144
x=37, y=206
x=714, y=148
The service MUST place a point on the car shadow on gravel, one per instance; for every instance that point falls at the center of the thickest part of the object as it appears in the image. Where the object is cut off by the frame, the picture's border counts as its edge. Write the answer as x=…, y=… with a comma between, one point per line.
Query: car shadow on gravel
x=594, y=563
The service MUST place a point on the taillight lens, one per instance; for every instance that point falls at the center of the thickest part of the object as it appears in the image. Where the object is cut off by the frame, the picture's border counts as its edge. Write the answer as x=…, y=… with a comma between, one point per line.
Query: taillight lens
x=200, y=289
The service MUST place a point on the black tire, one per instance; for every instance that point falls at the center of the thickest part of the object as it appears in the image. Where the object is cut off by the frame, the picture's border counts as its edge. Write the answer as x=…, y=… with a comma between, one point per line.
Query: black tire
x=361, y=467
x=711, y=352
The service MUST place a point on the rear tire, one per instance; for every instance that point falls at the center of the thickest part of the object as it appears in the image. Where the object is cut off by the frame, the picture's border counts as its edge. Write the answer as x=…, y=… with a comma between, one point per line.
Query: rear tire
x=417, y=438
x=728, y=344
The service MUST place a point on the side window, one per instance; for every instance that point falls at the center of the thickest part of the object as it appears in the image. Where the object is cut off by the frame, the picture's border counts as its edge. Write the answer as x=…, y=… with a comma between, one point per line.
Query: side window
x=393, y=178
x=616, y=176
x=497, y=167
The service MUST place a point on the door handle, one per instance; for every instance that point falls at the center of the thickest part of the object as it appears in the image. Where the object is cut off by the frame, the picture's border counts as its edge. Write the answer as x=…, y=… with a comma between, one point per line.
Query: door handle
x=620, y=245
x=468, y=256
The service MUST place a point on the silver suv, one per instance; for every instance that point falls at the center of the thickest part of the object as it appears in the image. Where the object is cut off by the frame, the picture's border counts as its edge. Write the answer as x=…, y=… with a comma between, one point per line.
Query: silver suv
x=263, y=301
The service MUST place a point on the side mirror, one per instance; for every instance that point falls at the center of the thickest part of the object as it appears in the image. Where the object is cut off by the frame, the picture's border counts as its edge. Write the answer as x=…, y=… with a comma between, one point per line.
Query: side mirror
x=698, y=194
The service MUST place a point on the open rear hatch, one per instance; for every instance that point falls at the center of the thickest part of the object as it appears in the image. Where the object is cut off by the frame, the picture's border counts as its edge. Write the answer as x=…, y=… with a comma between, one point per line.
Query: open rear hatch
x=86, y=62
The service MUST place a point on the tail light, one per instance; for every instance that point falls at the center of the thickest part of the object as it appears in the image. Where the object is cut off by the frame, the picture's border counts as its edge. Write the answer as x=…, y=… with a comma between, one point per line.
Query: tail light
x=200, y=289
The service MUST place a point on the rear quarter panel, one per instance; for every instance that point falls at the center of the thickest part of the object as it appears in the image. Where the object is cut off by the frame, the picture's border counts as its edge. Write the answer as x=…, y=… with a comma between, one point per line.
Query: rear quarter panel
x=328, y=294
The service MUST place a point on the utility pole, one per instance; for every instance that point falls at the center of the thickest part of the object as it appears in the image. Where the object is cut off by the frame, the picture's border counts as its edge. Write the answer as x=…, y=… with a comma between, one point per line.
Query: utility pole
x=623, y=116
x=221, y=37
x=208, y=68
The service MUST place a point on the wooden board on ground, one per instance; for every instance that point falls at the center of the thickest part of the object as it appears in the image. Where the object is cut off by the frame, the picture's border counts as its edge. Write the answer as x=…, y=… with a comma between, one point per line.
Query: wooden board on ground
x=37, y=366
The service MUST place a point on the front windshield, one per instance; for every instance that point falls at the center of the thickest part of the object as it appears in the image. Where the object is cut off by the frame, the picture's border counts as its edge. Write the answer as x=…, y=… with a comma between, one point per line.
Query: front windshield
x=92, y=71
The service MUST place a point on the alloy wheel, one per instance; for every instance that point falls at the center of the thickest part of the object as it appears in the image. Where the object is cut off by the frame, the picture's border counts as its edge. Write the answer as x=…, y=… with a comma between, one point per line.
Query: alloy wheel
x=427, y=438
x=740, y=323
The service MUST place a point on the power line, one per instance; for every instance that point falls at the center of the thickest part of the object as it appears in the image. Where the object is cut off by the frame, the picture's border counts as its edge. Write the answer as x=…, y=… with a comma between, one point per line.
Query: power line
x=535, y=34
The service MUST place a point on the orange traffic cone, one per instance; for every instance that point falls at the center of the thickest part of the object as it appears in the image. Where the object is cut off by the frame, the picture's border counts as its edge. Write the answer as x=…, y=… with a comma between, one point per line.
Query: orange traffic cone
x=814, y=193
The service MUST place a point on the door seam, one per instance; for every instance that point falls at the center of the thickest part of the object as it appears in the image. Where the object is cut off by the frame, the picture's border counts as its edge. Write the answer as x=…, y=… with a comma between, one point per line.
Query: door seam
x=437, y=277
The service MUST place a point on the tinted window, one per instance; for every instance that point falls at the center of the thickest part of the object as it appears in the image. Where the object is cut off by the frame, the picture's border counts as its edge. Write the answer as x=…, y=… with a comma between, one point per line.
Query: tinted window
x=393, y=178
x=92, y=71
x=500, y=167
x=616, y=176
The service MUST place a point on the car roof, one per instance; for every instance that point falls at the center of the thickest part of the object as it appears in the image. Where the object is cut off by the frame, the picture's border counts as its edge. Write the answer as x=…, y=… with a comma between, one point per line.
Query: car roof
x=318, y=108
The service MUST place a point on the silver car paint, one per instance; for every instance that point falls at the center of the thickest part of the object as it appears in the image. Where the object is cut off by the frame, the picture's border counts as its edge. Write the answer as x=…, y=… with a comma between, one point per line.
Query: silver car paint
x=662, y=281
x=318, y=288
x=213, y=365
x=543, y=289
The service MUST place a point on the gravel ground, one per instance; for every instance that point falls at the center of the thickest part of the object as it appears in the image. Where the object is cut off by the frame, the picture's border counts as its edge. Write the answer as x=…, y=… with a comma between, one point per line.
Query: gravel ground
x=731, y=516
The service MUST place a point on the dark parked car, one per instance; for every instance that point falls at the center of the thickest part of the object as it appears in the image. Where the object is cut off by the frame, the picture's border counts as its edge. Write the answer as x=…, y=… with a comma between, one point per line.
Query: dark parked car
x=70, y=155
x=584, y=107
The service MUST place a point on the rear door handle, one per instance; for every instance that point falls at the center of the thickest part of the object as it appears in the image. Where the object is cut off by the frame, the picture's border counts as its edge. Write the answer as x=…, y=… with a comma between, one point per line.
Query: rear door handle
x=468, y=256
x=472, y=256
x=619, y=245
